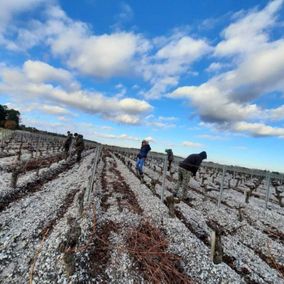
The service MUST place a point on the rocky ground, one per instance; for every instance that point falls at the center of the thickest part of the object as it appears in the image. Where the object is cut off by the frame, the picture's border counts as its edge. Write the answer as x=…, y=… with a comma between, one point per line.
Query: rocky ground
x=66, y=225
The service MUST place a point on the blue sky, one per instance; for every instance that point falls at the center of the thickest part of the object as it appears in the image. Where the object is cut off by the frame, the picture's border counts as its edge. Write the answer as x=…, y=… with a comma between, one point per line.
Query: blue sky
x=190, y=75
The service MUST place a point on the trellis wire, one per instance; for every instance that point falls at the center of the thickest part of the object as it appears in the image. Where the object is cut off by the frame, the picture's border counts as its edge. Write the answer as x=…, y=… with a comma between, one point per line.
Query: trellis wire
x=91, y=182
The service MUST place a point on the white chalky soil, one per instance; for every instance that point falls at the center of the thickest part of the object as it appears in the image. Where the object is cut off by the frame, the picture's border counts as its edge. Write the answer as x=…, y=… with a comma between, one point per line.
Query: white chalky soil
x=34, y=228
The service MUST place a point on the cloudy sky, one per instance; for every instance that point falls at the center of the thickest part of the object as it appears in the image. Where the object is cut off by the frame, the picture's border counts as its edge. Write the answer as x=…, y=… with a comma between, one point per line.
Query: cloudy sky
x=190, y=75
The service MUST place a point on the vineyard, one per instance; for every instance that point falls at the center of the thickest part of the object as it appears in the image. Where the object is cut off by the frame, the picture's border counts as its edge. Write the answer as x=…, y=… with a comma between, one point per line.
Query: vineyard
x=97, y=222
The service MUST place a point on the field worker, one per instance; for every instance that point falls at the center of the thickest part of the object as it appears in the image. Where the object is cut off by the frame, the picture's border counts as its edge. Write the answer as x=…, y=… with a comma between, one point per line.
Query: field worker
x=142, y=155
x=79, y=146
x=170, y=158
x=188, y=168
x=76, y=137
x=67, y=143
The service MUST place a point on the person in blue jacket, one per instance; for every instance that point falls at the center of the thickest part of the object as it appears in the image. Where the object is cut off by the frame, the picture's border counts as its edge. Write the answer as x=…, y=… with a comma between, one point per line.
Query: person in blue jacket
x=142, y=155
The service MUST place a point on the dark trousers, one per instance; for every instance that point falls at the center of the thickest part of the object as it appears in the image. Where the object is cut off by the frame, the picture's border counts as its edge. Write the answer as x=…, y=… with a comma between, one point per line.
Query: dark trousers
x=169, y=165
x=79, y=154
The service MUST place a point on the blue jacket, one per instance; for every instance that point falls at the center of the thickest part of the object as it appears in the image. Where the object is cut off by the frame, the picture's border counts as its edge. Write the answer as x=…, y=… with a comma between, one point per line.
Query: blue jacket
x=144, y=151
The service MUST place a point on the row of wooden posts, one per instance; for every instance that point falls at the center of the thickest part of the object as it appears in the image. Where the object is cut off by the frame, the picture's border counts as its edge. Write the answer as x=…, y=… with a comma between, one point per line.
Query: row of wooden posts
x=216, y=244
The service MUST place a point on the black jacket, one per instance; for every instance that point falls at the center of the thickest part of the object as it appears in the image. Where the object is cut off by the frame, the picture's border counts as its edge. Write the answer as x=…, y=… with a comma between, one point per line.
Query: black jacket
x=193, y=161
x=170, y=155
x=144, y=151
x=79, y=144
x=68, y=141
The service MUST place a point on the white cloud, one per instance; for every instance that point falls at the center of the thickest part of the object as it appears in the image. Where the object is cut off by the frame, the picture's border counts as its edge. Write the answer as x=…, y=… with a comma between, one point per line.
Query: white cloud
x=38, y=72
x=120, y=137
x=216, y=66
x=276, y=113
x=231, y=97
x=159, y=87
x=115, y=54
x=63, y=118
x=124, y=118
x=258, y=129
x=119, y=86
x=174, y=58
x=104, y=55
x=224, y=100
x=131, y=105
x=125, y=15
x=249, y=33
x=184, y=49
x=18, y=84
x=89, y=130
x=46, y=108
x=161, y=122
x=99, y=56
x=213, y=105
x=55, y=127
x=232, y=91
x=158, y=124
x=74, y=42
x=191, y=144
x=150, y=139
x=10, y=8
x=51, y=109
x=116, y=137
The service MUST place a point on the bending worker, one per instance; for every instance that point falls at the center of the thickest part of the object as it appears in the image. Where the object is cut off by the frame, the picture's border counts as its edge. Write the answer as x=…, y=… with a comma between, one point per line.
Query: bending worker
x=188, y=168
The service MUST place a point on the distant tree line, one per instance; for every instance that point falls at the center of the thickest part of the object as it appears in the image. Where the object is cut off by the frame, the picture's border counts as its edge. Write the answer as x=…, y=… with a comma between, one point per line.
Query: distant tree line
x=9, y=117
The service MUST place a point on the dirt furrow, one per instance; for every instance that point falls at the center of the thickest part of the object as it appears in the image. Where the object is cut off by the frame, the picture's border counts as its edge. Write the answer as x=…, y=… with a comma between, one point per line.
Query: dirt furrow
x=30, y=220
x=233, y=207
x=115, y=196
x=35, y=185
x=249, y=274
x=192, y=257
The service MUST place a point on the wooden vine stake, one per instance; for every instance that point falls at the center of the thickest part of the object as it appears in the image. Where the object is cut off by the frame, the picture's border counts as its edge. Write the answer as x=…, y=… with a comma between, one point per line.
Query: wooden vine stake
x=216, y=247
x=267, y=191
x=221, y=188
x=164, y=178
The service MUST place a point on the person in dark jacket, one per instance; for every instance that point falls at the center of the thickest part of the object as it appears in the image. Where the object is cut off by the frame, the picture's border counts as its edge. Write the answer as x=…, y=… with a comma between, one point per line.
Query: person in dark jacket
x=79, y=146
x=170, y=158
x=188, y=168
x=67, y=143
x=142, y=155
